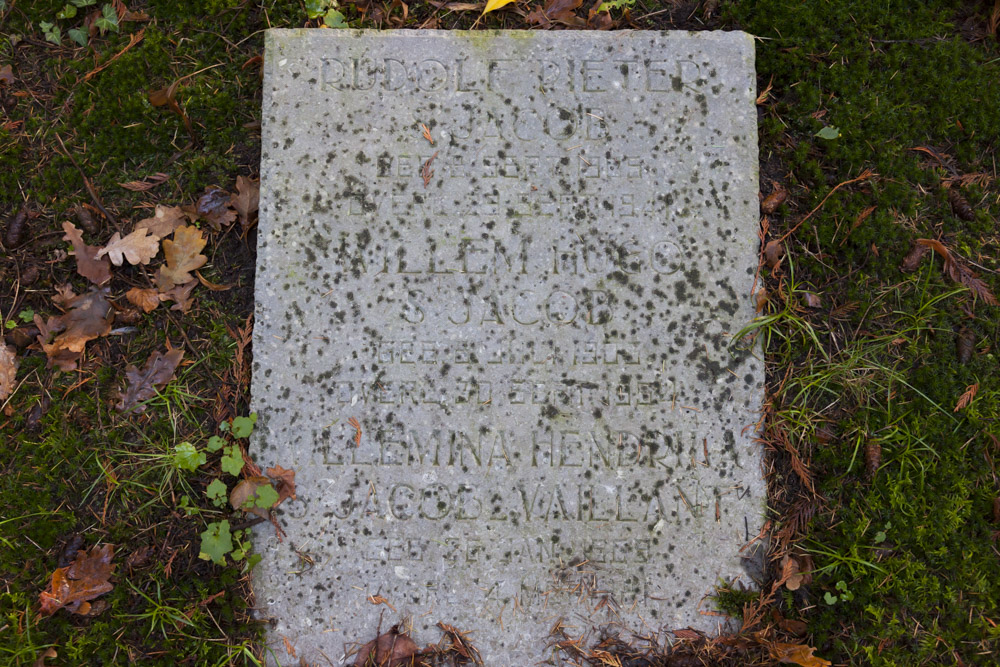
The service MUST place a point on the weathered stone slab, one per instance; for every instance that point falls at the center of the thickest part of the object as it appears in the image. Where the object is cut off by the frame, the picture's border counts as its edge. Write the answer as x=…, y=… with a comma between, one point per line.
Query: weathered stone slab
x=499, y=361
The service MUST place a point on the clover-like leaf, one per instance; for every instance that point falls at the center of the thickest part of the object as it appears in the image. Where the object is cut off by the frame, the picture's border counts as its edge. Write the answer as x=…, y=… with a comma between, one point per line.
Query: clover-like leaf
x=216, y=542
x=215, y=443
x=232, y=460
x=187, y=457
x=217, y=492
x=243, y=426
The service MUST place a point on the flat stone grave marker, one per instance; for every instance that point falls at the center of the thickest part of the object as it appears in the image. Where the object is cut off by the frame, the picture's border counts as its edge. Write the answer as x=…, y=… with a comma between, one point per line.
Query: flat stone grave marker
x=498, y=278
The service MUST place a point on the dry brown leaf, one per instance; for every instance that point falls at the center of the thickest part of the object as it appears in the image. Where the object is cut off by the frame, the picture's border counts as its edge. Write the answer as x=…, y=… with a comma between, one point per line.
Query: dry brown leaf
x=63, y=338
x=391, y=649
x=48, y=653
x=6, y=75
x=794, y=627
x=812, y=299
x=138, y=248
x=243, y=492
x=181, y=296
x=164, y=221
x=182, y=255
x=168, y=97
x=83, y=580
x=966, y=397
x=913, y=258
x=285, y=486
x=145, y=184
x=8, y=371
x=95, y=269
x=146, y=299
x=215, y=206
x=797, y=654
x=790, y=573
x=563, y=11
x=773, y=252
x=959, y=272
x=777, y=197
x=685, y=633
x=246, y=200
x=762, y=299
x=142, y=385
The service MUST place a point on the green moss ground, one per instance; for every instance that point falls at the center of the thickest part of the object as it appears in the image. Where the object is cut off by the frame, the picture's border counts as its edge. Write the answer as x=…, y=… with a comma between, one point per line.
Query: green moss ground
x=874, y=365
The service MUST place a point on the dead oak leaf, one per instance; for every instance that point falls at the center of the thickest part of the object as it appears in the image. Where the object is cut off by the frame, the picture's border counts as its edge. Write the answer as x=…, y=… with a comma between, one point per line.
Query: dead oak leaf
x=142, y=385
x=215, y=206
x=94, y=268
x=146, y=299
x=183, y=255
x=797, y=654
x=246, y=200
x=138, y=248
x=181, y=296
x=164, y=221
x=8, y=371
x=72, y=587
x=391, y=649
x=63, y=338
x=285, y=483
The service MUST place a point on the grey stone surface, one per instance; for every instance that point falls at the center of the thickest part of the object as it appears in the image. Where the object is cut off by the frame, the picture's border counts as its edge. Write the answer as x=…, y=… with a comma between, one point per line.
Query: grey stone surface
x=528, y=320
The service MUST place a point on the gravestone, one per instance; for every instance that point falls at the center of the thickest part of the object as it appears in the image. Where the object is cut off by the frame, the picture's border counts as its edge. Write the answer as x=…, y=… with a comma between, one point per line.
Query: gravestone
x=498, y=277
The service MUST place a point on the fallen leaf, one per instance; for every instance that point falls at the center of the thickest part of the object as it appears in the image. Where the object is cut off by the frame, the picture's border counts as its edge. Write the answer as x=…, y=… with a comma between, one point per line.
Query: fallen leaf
x=790, y=573
x=181, y=296
x=168, y=97
x=777, y=197
x=63, y=338
x=215, y=287
x=88, y=264
x=960, y=205
x=146, y=299
x=289, y=649
x=959, y=272
x=83, y=580
x=246, y=199
x=138, y=248
x=48, y=653
x=685, y=633
x=16, y=227
x=215, y=206
x=182, y=255
x=794, y=627
x=812, y=299
x=966, y=397
x=8, y=371
x=142, y=385
x=285, y=479
x=6, y=75
x=913, y=258
x=244, y=493
x=762, y=299
x=145, y=184
x=391, y=649
x=773, y=252
x=164, y=221
x=797, y=654
x=563, y=11
x=493, y=5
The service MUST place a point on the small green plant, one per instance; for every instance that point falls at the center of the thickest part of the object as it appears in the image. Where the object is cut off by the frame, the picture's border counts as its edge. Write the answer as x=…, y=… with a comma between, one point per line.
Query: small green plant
x=845, y=594
x=327, y=9
x=187, y=457
x=255, y=495
x=106, y=21
x=608, y=5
